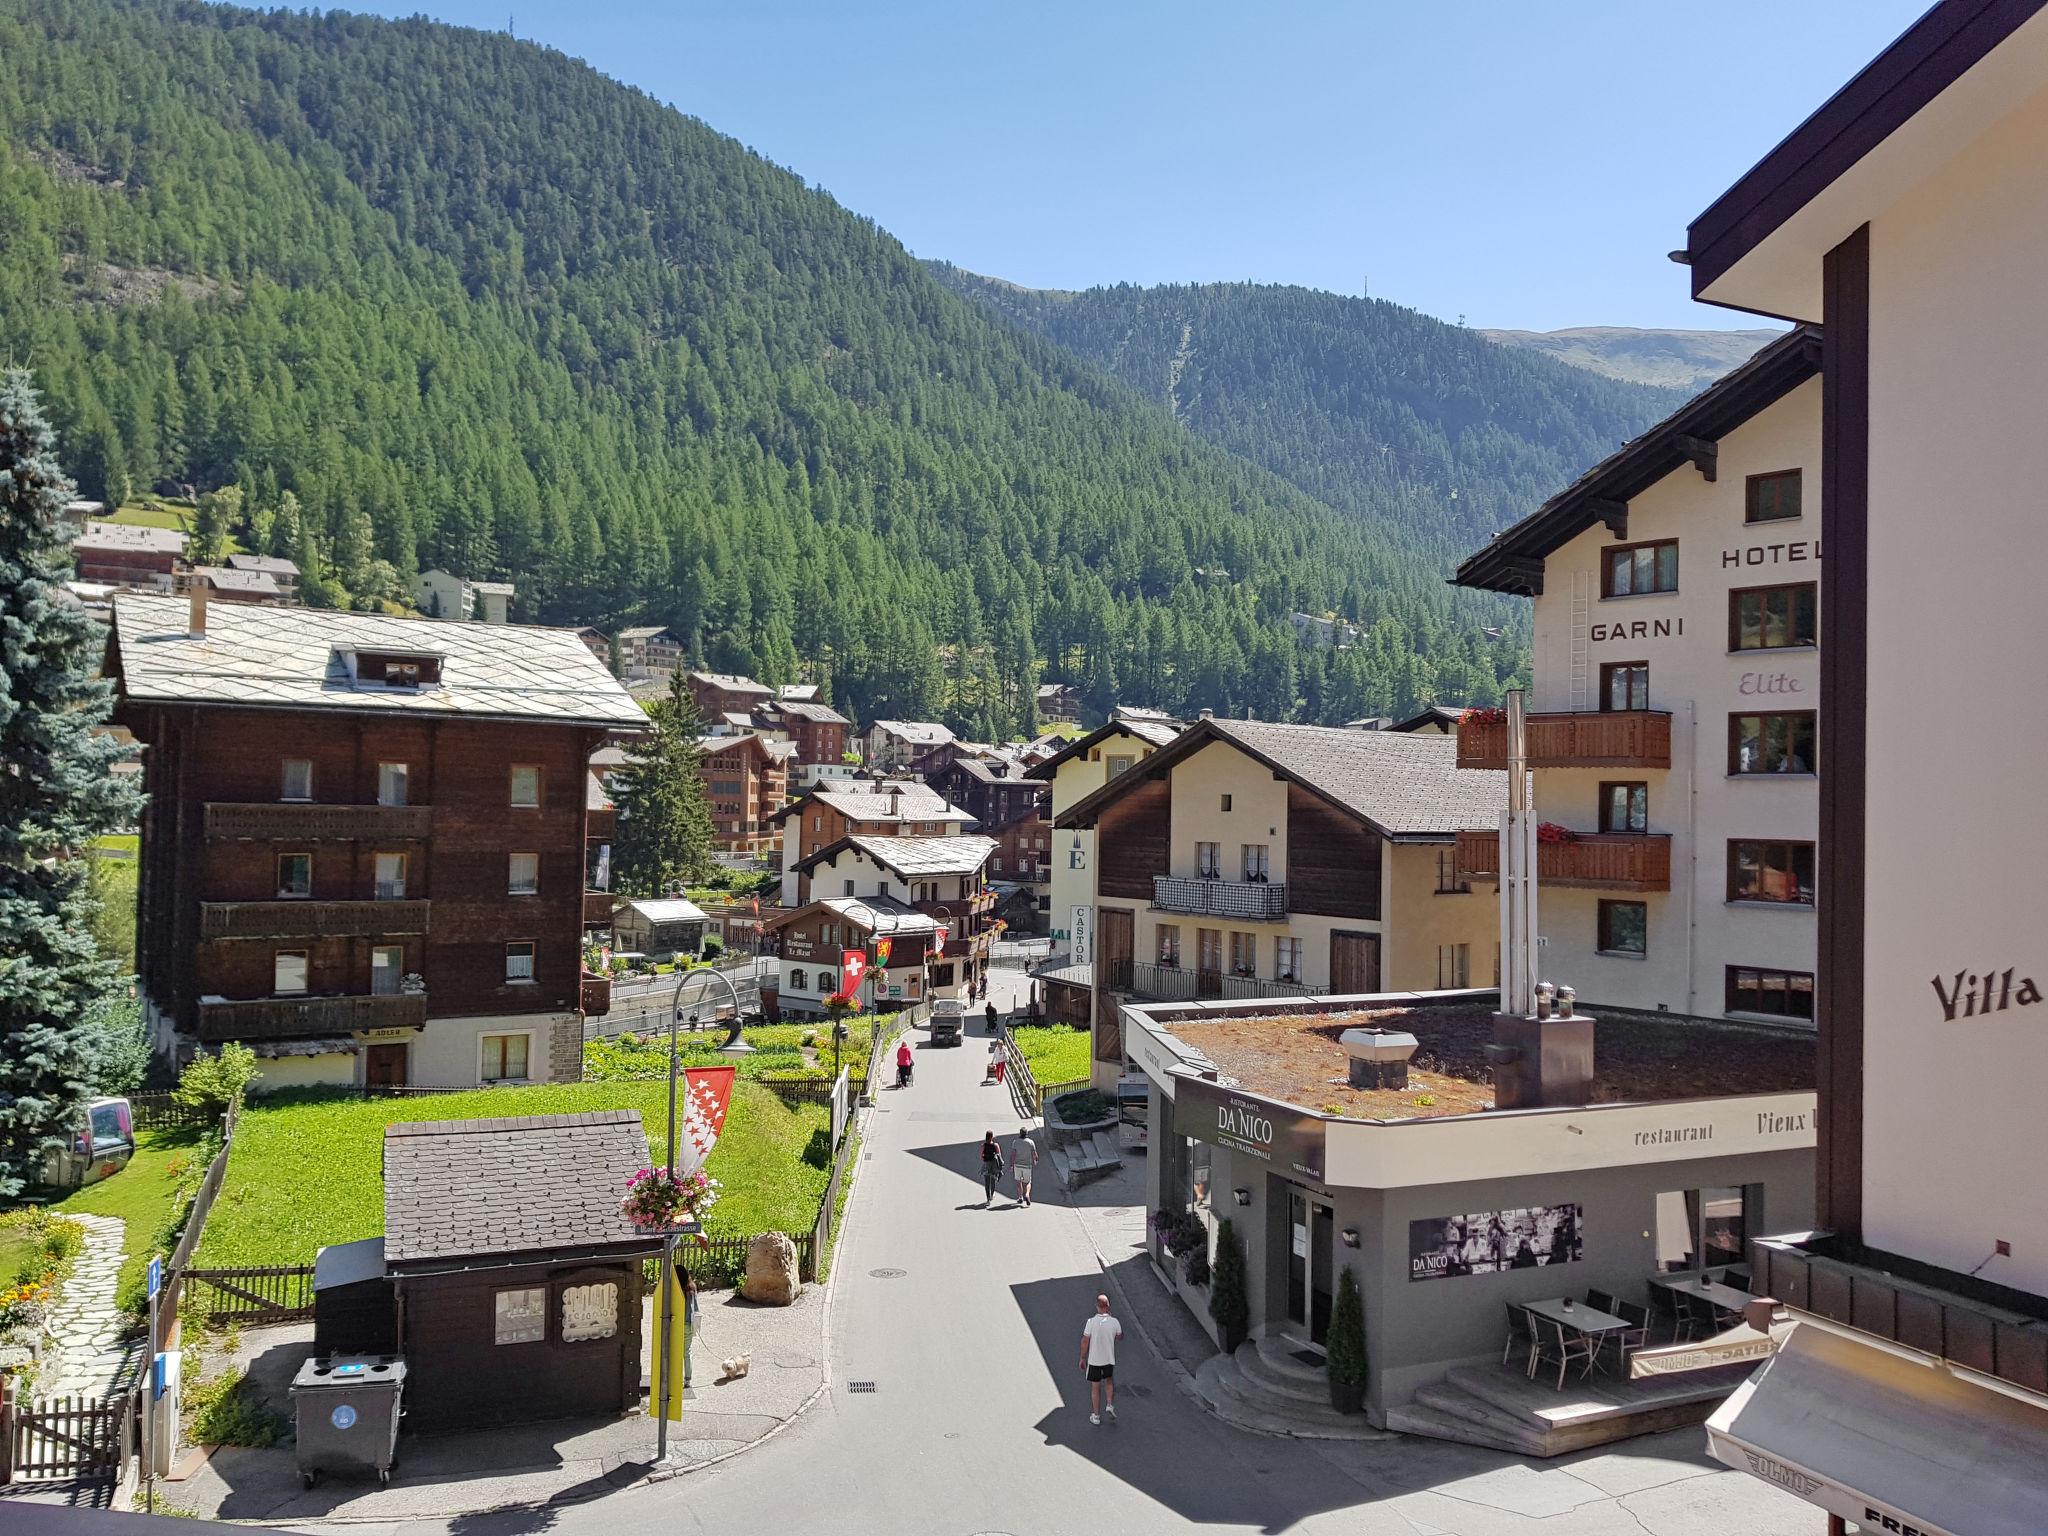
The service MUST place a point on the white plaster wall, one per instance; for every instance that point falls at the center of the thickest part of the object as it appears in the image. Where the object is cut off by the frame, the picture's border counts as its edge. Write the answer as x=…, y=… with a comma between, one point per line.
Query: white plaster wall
x=1957, y=842
x=1694, y=931
x=276, y=1074
x=1073, y=851
x=447, y=1053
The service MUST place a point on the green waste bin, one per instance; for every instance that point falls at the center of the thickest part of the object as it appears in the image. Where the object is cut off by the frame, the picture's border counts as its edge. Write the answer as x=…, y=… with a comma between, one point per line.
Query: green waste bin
x=347, y=1409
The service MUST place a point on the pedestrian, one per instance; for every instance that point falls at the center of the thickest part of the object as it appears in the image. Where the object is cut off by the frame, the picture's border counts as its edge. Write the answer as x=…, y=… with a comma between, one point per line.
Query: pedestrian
x=689, y=1324
x=1098, y=1359
x=903, y=1064
x=991, y=1167
x=991, y=1011
x=1024, y=1160
x=997, y=1061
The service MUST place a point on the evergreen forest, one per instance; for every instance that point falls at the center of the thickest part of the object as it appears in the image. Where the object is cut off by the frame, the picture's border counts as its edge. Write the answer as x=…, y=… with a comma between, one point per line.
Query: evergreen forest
x=412, y=295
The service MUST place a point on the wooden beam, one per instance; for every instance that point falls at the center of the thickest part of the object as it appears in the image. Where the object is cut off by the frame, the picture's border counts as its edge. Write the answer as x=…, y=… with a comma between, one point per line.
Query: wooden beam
x=1525, y=572
x=1702, y=452
x=1611, y=512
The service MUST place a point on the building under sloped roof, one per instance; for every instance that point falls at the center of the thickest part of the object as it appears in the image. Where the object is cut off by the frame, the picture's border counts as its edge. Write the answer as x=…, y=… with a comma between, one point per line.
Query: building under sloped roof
x=914, y=858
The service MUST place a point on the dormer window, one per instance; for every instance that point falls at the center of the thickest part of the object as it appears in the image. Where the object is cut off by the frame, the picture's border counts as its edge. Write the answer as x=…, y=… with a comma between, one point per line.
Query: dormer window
x=395, y=669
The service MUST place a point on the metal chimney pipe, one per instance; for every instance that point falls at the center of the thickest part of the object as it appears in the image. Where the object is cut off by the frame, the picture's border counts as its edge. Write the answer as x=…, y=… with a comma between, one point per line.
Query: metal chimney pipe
x=200, y=583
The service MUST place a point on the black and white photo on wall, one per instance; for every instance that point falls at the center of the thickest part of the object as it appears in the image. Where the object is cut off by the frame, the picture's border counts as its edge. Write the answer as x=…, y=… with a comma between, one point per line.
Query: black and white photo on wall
x=1484, y=1243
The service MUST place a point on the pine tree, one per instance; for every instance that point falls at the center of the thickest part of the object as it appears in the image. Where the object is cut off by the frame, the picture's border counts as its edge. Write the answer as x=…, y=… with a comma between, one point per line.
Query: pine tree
x=57, y=795
x=664, y=836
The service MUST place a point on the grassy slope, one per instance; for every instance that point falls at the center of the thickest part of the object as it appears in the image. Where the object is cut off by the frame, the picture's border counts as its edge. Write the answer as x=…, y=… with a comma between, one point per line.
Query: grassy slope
x=141, y=1194
x=1054, y=1052
x=307, y=1172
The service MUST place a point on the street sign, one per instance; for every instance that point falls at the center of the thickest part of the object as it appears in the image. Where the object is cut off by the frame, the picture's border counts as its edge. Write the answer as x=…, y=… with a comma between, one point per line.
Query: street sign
x=156, y=1277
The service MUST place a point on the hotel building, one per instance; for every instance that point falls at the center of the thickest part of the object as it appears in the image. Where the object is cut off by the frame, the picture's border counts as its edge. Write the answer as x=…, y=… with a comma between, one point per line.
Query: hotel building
x=1677, y=679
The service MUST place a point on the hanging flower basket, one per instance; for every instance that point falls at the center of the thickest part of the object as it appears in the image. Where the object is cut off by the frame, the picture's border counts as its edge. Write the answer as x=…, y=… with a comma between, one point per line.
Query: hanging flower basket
x=1551, y=832
x=658, y=1201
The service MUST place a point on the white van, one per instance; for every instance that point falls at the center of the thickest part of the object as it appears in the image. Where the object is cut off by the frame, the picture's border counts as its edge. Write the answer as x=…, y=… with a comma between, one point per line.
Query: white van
x=100, y=1145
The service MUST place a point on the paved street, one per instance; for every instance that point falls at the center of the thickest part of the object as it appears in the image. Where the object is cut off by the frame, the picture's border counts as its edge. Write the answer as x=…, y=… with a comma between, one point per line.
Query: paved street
x=967, y=1322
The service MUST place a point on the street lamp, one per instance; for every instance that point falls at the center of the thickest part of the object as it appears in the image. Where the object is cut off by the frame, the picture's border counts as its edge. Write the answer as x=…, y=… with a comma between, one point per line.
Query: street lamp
x=668, y=1242
x=875, y=931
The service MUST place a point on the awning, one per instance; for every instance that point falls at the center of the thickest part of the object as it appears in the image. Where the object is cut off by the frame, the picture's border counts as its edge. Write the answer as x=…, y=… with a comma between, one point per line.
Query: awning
x=1888, y=1438
x=1755, y=1338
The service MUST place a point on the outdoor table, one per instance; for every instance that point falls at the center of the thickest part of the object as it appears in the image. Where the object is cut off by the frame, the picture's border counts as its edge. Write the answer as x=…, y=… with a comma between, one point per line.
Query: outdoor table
x=1725, y=1297
x=1582, y=1318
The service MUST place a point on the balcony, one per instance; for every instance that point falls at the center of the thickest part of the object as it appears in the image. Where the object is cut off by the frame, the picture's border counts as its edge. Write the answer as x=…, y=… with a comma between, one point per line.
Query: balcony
x=310, y=919
x=1183, y=984
x=594, y=996
x=286, y=821
x=295, y=1018
x=1252, y=901
x=1635, y=738
x=597, y=909
x=1598, y=861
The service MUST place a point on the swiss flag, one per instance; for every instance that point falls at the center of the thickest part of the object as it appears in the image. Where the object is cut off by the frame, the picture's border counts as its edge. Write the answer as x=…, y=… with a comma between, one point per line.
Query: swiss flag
x=702, y=1115
x=853, y=965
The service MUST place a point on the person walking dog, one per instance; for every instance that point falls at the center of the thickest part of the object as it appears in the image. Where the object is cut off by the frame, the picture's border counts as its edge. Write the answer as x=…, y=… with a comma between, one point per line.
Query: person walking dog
x=1098, y=1360
x=991, y=1167
x=1024, y=1162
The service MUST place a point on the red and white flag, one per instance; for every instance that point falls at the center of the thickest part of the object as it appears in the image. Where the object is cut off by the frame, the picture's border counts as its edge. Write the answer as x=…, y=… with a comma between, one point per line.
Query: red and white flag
x=853, y=965
x=702, y=1112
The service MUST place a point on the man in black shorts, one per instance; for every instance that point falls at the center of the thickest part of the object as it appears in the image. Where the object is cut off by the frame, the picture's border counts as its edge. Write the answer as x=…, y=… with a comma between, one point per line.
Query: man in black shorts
x=1098, y=1358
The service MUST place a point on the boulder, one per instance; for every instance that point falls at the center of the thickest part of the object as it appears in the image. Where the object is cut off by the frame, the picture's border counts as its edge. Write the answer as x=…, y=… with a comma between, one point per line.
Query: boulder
x=771, y=1277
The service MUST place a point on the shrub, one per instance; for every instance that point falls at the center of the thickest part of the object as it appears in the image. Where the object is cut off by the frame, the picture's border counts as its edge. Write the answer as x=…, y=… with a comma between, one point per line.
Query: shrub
x=1346, y=1341
x=1083, y=1105
x=225, y=1412
x=1229, y=1301
x=713, y=946
x=210, y=1084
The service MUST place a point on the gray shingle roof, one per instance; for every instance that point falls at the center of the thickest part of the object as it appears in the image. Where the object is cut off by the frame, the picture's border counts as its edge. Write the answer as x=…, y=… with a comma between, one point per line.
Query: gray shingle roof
x=919, y=733
x=732, y=682
x=457, y=1189
x=277, y=565
x=811, y=709
x=915, y=857
x=914, y=802
x=1408, y=785
x=669, y=909
x=129, y=537
x=260, y=657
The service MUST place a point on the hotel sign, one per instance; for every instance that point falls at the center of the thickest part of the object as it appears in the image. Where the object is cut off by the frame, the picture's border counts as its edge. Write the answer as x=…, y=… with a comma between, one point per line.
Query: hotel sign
x=1291, y=1140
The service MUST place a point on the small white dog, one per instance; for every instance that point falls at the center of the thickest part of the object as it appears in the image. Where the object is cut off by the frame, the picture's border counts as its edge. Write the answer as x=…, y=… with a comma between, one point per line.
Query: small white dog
x=737, y=1366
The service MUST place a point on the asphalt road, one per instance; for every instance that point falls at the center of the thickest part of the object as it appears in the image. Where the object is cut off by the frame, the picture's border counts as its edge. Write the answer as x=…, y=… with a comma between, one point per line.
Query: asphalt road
x=966, y=1319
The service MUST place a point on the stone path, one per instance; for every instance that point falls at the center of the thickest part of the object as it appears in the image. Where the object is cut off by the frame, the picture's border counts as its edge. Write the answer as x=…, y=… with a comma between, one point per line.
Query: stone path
x=87, y=1357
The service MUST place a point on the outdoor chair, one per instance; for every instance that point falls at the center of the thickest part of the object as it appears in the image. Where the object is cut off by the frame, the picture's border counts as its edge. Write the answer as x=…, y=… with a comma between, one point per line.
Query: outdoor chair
x=1532, y=1330
x=1566, y=1347
x=1600, y=1301
x=1696, y=1316
x=1637, y=1334
x=1518, y=1333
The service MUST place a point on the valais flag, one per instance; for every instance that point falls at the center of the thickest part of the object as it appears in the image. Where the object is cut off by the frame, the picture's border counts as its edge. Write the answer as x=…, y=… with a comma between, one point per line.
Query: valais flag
x=853, y=965
x=702, y=1112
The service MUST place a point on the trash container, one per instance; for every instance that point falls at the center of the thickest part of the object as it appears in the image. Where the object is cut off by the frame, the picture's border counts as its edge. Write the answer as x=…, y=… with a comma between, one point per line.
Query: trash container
x=347, y=1408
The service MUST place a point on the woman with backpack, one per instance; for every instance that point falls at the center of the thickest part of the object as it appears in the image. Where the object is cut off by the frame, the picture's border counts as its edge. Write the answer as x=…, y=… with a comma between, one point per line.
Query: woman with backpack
x=991, y=1167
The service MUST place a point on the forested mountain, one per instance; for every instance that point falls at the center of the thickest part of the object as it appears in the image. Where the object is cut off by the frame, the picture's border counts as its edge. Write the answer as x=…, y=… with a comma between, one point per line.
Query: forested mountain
x=1688, y=360
x=1405, y=422
x=435, y=296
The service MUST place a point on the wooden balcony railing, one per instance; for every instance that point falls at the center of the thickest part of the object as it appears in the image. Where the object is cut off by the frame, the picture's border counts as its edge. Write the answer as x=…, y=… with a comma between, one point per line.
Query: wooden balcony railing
x=309, y=919
x=292, y=822
x=293, y=1018
x=1636, y=738
x=597, y=908
x=594, y=996
x=1256, y=901
x=1598, y=861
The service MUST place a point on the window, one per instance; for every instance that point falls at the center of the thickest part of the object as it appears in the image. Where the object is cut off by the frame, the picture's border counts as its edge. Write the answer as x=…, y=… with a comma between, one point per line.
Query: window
x=391, y=783
x=1209, y=951
x=1624, y=807
x=799, y=981
x=1169, y=943
x=1625, y=685
x=882, y=887
x=521, y=1315
x=1776, y=994
x=1226, y=802
x=849, y=887
x=387, y=970
x=1287, y=959
x=1119, y=765
x=1782, y=742
x=1760, y=870
x=1454, y=965
x=1448, y=881
x=999, y=863
x=1208, y=861
x=288, y=971
x=1244, y=954
x=390, y=877
x=298, y=779
x=1771, y=498
x=525, y=787
x=524, y=876
x=519, y=961
x=503, y=1058
x=1634, y=569
x=827, y=985
x=1773, y=618
x=1624, y=928
x=1705, y=1228
x=295, y=874
x=1255, y=863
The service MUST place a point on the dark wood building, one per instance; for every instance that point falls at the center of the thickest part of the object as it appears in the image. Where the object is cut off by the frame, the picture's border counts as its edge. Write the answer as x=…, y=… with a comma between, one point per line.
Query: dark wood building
x=746, y=778
x=366, y=850
x=726, y=693
x=516, y=1280
x=819, y=731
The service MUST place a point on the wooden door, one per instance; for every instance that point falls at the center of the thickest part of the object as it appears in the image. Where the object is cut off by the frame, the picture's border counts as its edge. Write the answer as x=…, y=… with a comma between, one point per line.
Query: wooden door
x=1354, y=962
x=1209, y=962
x=1113, y=948
x=384, y=1066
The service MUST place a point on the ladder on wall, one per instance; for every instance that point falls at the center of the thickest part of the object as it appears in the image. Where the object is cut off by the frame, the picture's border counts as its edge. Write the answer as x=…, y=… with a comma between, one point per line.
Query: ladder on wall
x=1582, y=619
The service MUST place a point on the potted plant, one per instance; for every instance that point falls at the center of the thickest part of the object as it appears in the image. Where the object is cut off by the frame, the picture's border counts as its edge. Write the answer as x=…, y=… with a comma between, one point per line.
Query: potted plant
x=1345, y=1346
x=1229, y=1302
x=657, y=1200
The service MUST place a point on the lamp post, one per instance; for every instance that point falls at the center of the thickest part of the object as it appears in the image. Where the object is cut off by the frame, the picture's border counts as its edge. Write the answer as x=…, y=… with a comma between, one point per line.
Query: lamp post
x=874, y=984
x=668, y=1242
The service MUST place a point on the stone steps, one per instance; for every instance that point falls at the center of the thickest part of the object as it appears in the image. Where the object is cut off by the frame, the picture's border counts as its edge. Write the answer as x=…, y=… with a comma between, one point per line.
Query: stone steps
x=1088, y=1158
x=1503, y=1409
x=1231, y=1387
x=1271, y=1364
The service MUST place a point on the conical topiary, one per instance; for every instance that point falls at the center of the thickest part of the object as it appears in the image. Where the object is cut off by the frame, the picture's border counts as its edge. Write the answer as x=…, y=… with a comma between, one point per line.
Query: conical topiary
x=1345, y=1346
x=1229, y=1300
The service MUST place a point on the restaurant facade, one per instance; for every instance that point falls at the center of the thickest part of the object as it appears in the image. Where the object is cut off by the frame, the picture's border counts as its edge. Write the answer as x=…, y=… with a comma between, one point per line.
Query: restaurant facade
x=1446, y=1214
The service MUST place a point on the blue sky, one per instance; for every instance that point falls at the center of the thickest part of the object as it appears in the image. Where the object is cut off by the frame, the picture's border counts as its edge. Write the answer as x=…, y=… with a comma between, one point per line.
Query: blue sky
x=1520, y=165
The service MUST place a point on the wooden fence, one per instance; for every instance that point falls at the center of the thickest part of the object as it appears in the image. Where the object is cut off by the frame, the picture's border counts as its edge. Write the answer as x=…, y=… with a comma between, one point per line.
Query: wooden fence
x=812, y=1090
x=63, y=1437
x=161, y=1112
x=1024, y=1088
x=277, y=1293
x=718, y=1263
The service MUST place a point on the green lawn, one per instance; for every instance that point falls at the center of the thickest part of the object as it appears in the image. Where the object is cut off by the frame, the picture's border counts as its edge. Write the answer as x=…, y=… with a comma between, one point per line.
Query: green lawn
x=120, y=842
x=1056, y=1053
x=142, y=1195
x=778, y=1051
x=165, y=513
x=305, y=1171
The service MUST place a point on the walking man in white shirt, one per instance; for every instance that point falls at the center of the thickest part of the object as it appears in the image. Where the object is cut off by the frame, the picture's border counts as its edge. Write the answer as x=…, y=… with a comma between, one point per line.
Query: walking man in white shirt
x=1098, y=1359
x=1023, y=1162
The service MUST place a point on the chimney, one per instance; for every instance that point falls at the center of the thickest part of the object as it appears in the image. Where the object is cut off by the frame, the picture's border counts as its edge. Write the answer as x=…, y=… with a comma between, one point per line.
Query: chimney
x=1379, y=1057
x=1542, y=1062
x=200, y=584
x=896, y=801
x=1207, y=714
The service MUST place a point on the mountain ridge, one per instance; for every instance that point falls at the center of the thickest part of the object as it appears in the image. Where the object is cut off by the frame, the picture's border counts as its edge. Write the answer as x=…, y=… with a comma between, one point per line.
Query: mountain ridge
x=1670, y=358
